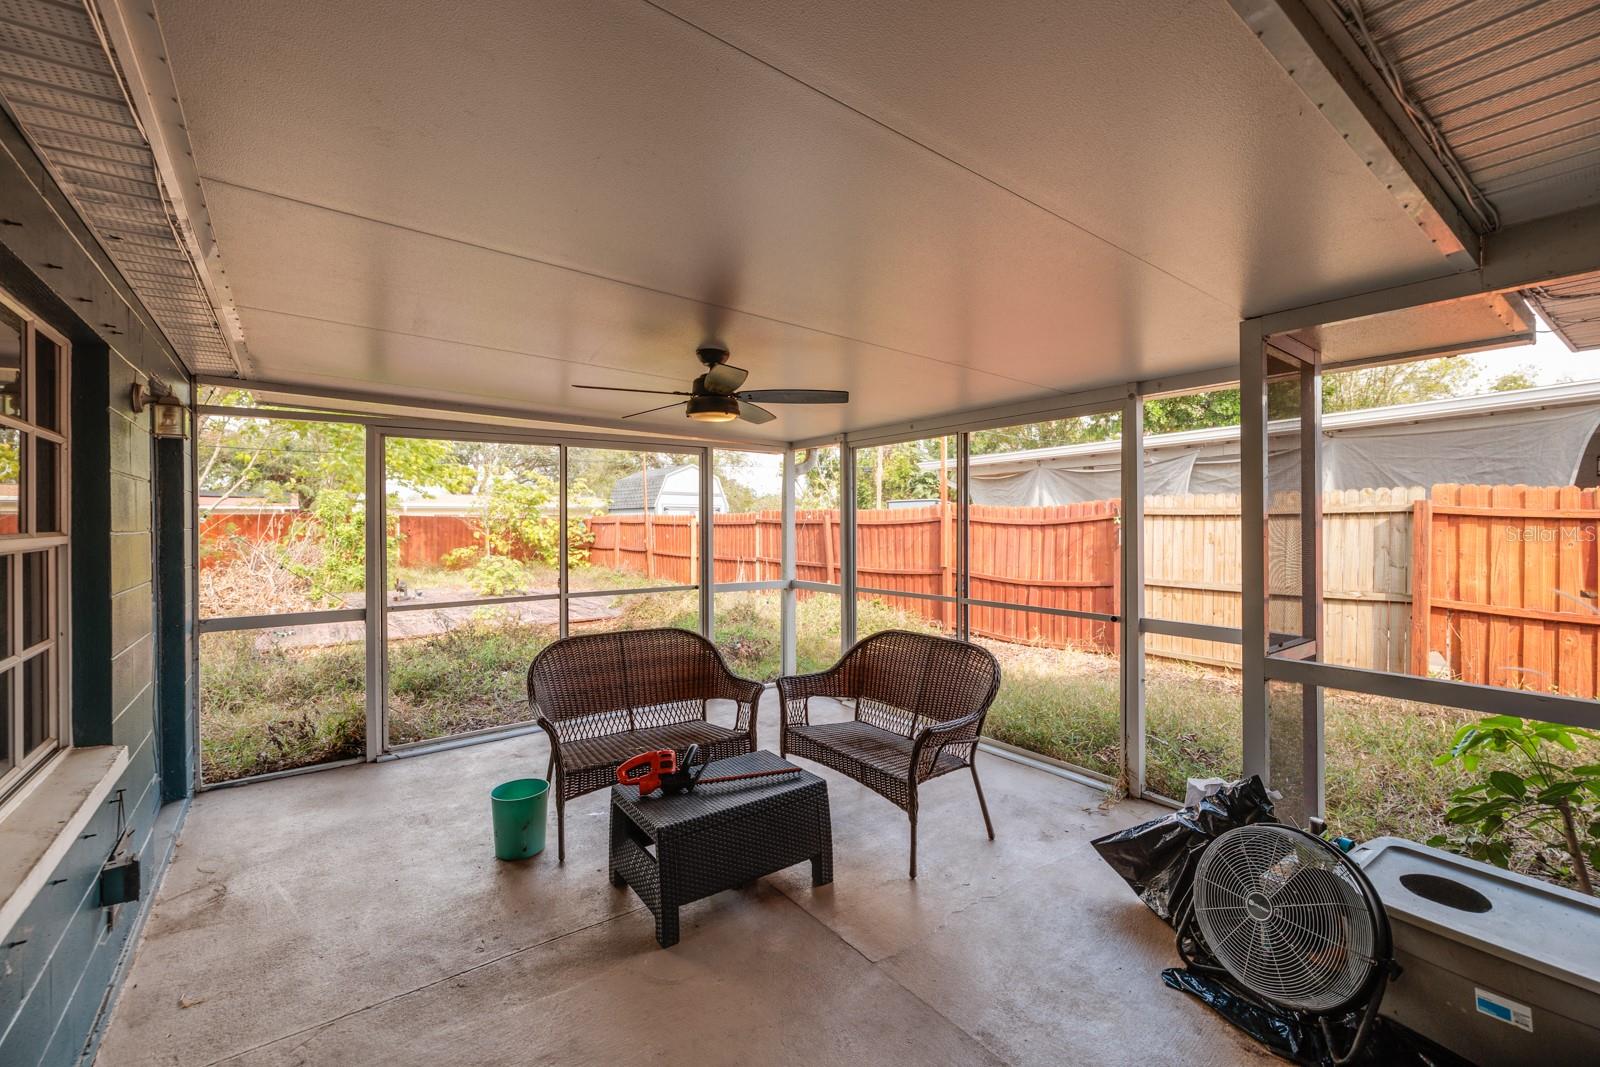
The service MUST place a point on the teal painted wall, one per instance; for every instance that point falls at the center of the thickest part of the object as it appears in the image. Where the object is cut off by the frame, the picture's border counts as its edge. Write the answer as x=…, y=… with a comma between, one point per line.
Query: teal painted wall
x=57, y=966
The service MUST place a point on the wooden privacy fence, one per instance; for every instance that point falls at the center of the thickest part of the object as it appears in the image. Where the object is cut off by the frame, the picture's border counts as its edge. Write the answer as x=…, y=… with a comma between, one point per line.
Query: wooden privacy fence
x=1506, y=587
x=1193, y=573
x=1488, y=584
x=1052, y=557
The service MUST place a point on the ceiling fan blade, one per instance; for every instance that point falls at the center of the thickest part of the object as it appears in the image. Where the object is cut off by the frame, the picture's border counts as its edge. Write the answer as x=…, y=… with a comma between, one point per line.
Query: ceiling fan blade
x=620, y=389
x=724, y=380
x=651, y=411
x=750, y=413
x=797, y=396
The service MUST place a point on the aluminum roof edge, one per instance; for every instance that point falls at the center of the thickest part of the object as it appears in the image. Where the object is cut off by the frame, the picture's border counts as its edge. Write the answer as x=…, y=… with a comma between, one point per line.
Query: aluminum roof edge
x=1548, y=396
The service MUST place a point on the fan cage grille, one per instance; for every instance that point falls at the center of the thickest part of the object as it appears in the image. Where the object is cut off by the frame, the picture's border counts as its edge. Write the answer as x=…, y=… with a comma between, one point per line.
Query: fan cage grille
x=1286, y=917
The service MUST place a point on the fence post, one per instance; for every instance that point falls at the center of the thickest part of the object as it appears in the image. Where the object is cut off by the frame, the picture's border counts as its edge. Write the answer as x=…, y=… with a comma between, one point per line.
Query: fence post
x=829, y=563
x=1421, y=584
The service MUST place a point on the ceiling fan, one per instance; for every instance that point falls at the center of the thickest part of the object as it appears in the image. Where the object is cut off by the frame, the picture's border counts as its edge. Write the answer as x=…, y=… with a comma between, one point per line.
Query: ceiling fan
x=715, y=395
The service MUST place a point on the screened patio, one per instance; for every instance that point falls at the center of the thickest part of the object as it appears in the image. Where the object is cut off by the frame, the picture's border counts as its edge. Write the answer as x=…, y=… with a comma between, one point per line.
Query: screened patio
x=364, y=353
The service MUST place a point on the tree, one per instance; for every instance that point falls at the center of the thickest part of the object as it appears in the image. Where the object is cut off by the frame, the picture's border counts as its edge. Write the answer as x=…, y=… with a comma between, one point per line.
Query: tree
x=1398, y=383
x=283, y=459
x=1521, y=378
x=1191, y=411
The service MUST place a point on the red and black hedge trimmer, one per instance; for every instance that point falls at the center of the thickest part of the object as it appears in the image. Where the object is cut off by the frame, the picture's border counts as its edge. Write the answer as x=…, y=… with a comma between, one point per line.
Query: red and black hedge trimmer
x=663, y=770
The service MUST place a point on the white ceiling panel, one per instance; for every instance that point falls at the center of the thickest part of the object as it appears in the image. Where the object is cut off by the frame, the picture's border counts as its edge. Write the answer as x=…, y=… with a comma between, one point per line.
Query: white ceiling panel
x=937, y=207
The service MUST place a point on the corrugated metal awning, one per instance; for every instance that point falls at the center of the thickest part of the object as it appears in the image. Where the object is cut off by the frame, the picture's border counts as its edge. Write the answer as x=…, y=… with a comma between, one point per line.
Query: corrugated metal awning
x=1512, y=87
x=59, y=83
x=1572, y=308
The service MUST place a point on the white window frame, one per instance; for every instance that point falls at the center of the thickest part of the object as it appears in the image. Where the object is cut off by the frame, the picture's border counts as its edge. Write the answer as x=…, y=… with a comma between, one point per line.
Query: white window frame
x=14, y=546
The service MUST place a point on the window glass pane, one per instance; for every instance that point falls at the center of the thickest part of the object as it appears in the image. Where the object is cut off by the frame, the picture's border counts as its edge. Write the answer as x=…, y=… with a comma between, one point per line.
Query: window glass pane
x=1059, y=696
x=6, y=760
x=816, y=522
x=1194, y=720
x=11, y=444
x=282, y=516
x=10, y=363
x=635, y=611
x=748, y=628
x=1192, y=567
x=749, y=521
x=453, y=670
x=875, y=612
x=46, y=486
x=1459, y=539
x=35, y=598
x=38, y=701
x=7, y=563
x=472, y=519
x=639, y=517
x=1381, y=780
x=906, y=517
x=272, y=700
x=1284, y=503
x=46, y=390
x=1043, y=520
x=1293, y=722
x=816, y=631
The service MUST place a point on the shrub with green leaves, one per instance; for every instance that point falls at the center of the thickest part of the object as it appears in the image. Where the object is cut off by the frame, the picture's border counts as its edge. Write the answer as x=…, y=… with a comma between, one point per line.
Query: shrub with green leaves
x=497, y=576
x=1539, y=798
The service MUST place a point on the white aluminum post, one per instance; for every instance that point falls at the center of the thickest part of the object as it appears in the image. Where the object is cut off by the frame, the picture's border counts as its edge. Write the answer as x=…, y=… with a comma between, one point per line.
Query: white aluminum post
x=847, y=545
x=1313, y=750
x=963, y=538
x=1131, y=609
x=788, y=599
x=1253, y=543
x=706, y=531
x=562, y=547
x=377, y=579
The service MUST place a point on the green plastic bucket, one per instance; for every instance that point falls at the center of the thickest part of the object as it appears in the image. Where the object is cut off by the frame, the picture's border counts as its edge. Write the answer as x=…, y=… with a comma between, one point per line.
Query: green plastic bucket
x=519, y=810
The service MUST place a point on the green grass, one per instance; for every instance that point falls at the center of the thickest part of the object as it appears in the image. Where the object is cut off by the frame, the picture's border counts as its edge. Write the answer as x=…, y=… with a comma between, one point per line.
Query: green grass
x=469, y=678
x=266, y=708
x=271, y=709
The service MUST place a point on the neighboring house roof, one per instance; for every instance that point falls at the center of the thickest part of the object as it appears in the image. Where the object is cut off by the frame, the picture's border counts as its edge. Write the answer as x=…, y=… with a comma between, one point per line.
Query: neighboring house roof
x=628, y=495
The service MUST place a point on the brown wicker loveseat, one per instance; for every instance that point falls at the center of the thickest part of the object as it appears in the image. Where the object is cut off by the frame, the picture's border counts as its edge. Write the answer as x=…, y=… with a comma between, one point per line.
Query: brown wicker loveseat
x=602, y=698
x=919, y=705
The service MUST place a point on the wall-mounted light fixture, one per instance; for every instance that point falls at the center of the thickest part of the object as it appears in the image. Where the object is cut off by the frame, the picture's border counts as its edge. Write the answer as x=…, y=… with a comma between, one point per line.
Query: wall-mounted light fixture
x=169, y=418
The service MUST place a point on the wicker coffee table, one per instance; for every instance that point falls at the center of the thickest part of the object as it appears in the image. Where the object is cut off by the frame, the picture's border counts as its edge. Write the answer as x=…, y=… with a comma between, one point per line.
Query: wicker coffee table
x=676, y=849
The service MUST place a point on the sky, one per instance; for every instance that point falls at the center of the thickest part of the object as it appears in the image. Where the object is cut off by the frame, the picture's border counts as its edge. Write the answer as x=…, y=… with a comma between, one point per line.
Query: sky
x=1547, y=361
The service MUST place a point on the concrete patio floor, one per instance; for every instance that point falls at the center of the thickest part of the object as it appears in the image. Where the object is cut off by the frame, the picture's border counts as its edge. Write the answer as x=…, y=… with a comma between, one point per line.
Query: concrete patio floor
x=358, y=916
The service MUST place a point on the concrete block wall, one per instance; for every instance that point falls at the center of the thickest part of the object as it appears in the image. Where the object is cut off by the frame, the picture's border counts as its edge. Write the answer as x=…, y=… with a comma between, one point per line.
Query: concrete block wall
x=131, y=686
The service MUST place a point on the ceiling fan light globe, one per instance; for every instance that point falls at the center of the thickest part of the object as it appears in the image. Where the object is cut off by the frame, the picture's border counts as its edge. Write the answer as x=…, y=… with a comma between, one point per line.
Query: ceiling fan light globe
x=713, y=408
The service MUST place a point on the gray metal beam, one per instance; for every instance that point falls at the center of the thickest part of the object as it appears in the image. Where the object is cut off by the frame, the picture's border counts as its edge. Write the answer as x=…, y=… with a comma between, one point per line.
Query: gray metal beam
x=787, y=600
x=376, y=507
x=1132, y=606
x=847, y=546
x=707, y=532
x=1468, y=696
x=1253, y=542
x=1529, y=253
x=1328, y=66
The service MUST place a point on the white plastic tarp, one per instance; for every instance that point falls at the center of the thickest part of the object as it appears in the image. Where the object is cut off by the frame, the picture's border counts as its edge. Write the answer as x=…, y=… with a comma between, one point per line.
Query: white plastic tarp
x=1045, y=484
x=1528, y=447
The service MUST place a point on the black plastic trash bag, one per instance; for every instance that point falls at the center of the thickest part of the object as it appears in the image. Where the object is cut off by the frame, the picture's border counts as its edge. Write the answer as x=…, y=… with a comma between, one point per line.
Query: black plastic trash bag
x=1157, y=858
x=1301, y=1040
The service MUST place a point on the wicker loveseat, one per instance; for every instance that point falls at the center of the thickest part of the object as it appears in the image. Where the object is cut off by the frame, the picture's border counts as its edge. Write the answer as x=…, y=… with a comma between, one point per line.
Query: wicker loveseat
x=602, y=698
x=919, y=704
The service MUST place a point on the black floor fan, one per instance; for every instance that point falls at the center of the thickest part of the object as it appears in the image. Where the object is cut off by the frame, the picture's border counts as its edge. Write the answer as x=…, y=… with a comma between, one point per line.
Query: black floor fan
x=1290, y=925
